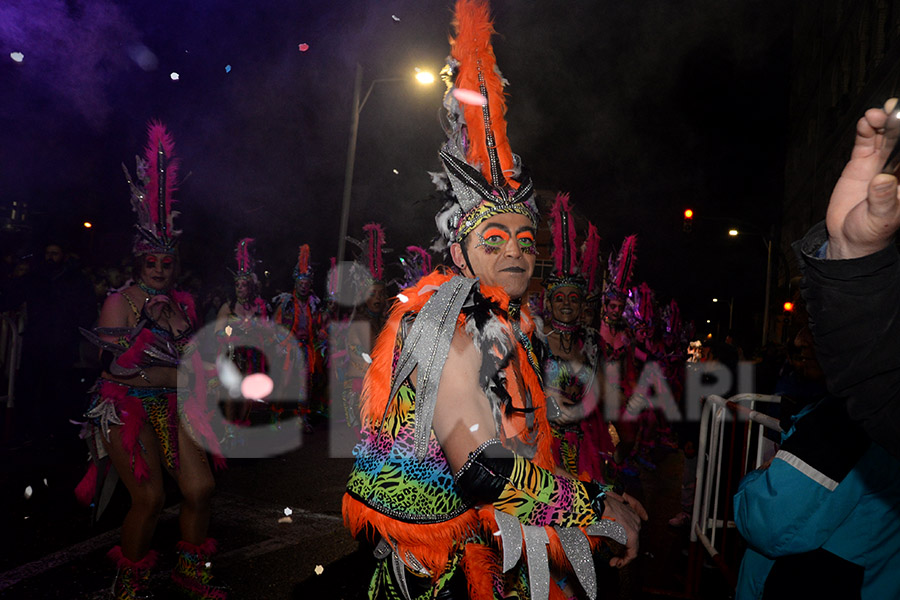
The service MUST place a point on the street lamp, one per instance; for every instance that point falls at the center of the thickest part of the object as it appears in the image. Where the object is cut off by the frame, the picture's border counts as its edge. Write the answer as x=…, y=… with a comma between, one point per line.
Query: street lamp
x=359, y=101
x=767, y=242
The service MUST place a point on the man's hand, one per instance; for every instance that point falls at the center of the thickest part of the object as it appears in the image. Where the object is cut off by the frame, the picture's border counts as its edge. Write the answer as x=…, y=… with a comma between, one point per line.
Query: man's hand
x=864, y=211
x=629, y=513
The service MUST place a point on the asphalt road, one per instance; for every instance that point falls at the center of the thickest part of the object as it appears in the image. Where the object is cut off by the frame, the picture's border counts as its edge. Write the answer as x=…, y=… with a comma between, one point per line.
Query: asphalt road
x=50, y=549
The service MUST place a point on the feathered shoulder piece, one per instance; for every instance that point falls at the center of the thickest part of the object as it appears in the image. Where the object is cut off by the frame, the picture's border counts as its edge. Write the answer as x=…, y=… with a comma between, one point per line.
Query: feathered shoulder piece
x=485, y=177
x=152, y=193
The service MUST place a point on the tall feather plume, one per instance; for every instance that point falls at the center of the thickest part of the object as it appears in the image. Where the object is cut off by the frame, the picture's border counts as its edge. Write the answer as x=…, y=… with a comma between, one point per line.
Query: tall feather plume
x=645, y=294
x=163, y=174
x=590, y=257
x=242, y=256
x=478, y=72
x=625, y=263
x=303, y=259
x=565, y=254
x=373, y=250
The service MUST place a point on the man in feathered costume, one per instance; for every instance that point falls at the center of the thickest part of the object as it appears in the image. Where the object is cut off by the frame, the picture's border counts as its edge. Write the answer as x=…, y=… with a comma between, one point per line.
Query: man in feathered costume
x=302, y=344
x=454, y=480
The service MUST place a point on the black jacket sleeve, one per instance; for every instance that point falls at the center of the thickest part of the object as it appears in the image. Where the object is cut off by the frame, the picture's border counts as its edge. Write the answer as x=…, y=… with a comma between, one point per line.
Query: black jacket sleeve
x=854, y=314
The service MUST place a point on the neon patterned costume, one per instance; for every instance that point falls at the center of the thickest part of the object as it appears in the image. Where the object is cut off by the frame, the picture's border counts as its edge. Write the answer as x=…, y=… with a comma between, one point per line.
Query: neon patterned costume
x=414, y=504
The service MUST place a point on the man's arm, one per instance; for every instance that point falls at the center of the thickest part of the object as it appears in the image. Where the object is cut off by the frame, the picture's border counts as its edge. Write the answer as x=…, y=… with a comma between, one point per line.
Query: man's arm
x=464, y=426
x=853, y=291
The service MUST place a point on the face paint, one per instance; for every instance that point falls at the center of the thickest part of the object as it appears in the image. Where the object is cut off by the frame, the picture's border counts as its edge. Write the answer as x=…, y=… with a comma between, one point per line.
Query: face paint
x=526, y=242
x=492, y=239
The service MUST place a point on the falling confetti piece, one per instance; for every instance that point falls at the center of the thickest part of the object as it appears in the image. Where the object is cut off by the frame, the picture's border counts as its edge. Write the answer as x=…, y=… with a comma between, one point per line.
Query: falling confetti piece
x=45, y=483
x=174, y=76
x=17, y=56
x=469, y=97
x=402, y=298
x=395, y=18
x=228, y=330
x=28, y=492
x=319, y=569
x=303, y=47
x=285, y=520
x=228, y=68
x=288, y=512
x=257, y=386
x=367, y=358
x=208, y=565
x=396, y=172
x=474, y=428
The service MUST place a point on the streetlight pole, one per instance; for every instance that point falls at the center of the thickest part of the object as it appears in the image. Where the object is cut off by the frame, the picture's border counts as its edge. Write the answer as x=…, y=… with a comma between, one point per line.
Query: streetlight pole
x=765, y=332
x=359, y=102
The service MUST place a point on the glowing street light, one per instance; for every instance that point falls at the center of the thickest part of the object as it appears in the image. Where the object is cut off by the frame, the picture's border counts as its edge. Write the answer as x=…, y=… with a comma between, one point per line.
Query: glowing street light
x=733, y=232
x=359, y=101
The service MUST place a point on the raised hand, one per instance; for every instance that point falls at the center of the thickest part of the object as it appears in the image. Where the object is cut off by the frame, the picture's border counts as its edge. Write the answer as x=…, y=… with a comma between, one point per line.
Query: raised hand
x=864, y=210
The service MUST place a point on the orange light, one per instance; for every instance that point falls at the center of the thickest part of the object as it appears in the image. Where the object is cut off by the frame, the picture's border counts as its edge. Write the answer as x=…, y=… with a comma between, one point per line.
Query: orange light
x=788, y=307
x=88, y=224
x=688, y=213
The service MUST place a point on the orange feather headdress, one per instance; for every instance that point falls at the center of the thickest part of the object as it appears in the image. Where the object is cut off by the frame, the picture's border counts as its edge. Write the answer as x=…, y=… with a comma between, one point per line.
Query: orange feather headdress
x=482, y=176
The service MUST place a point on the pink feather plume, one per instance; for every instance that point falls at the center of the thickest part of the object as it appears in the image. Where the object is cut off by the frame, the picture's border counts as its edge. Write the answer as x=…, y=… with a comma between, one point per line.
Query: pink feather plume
x=426, y=258
x=242, y=255
x=625, y=263
x=159, y=137
x=565, y=258
x=376, y=243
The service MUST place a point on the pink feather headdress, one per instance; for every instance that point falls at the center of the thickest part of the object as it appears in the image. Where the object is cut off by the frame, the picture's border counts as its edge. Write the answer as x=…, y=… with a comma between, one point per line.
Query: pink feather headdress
x=373, y=250
x=152, y=193
x=565, y=252
x=245, y=262
x=622, y=269
x=416, y=264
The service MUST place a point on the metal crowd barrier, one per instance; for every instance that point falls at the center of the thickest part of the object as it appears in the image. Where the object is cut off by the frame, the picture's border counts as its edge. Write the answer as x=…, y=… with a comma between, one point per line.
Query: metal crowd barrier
x=718, y=474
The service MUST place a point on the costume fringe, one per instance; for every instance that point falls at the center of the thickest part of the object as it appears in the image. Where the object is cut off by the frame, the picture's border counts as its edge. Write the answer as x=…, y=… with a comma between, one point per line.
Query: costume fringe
x=482, y=568
x=431, y=543
x=590, y=258
x=133, y=357
x=148, y=562
x=207, y=548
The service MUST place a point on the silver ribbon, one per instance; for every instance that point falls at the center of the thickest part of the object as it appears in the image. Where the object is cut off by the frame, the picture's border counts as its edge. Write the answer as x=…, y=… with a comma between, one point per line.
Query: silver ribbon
x=536, y=541
x=105, y=412
x=510, y=538
x=578, y=551
x=400, y=575
x=609, y=528
x=427, y=346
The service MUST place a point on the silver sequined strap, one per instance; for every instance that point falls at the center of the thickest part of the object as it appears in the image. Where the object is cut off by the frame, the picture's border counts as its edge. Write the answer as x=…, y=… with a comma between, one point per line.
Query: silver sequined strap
x=536, y=541
x=578, y=551
x=400, y=575
x=608, y=528
x=427, y=347
x=510, y=538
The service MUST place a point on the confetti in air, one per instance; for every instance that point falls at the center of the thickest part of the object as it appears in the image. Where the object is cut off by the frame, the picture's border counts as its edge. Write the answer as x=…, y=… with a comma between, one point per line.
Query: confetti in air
x=395, y=18
x=17, y=56
x=174, y=76
x=228, y=330
x=45, y=482
x=396, y=172
x=285, y=520
x=402, y=298
x=469, y=97
x=367, y=358
x=474, y=428
x=303, y=47
x=319, y=569
x=28, y=492
x=288, y=512
x=228, y=68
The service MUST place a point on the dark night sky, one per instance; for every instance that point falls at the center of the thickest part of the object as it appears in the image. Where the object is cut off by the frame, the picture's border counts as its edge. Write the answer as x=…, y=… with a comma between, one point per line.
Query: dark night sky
x=639, y=109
